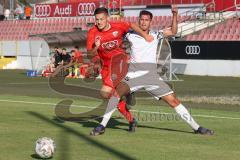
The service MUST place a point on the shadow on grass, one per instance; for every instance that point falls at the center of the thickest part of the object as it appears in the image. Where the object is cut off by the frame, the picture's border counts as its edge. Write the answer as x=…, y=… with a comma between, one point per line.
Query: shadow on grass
x=36, y=157
x=115, y=122
x=165, y=129
x=82, y=136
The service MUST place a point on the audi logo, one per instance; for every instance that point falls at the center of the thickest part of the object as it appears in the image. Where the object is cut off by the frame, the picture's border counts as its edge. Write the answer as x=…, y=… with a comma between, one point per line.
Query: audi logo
x=42, y=10
x=86, y=9
x=192, y=49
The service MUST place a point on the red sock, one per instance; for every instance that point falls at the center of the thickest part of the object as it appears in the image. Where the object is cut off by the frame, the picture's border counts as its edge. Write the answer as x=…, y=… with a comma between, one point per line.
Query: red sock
x=123, y=110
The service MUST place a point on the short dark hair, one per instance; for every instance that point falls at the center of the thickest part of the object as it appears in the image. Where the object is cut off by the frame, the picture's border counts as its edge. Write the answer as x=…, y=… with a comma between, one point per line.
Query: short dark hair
x=64, y=49
x=76, y=47
x=144, y=12
x=100, y=10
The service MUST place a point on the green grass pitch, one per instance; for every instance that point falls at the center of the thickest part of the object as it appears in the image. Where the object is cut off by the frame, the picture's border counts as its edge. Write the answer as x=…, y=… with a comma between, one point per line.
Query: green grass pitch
x=27, y=113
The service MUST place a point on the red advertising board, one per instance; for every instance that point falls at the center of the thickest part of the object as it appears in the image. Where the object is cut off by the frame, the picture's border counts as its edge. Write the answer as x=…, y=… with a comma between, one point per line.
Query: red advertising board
x=66, y=9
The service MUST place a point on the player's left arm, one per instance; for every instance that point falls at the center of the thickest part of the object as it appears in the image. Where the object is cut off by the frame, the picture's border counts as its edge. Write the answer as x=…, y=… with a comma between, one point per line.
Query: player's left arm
x=173, y=30
x=92, y=44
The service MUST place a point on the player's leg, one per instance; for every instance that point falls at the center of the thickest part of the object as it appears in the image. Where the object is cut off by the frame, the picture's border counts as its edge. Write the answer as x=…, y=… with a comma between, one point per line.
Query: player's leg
x=121, y=90
x=160, y=89
x=107, y=91
x=181, y=110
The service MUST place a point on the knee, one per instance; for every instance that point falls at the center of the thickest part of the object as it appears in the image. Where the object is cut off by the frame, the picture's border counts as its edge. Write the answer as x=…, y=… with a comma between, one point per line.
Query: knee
x=172, y=101
x=105, y=95
x=122, y=89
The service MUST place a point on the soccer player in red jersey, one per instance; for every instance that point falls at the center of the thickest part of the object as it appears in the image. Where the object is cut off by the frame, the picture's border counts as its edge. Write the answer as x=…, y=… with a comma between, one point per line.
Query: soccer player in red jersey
x=77, y=57
x=105, y=39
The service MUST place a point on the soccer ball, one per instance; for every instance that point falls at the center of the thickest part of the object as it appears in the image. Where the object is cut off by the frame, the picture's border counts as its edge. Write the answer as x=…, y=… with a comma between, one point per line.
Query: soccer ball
x=45, y=147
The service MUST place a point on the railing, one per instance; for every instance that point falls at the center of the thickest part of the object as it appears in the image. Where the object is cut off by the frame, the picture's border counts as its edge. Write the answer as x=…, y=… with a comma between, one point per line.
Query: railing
x=163, y=2
x=195, y=13
x=207, y=20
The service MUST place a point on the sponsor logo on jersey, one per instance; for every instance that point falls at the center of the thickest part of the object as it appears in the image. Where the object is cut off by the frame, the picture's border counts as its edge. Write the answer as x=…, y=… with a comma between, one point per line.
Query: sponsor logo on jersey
x=110, y=45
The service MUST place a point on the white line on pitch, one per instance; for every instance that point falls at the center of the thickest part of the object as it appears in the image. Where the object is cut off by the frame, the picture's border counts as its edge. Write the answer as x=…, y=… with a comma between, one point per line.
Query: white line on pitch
x=140, y=111
x=28, y=83
x=40, y=103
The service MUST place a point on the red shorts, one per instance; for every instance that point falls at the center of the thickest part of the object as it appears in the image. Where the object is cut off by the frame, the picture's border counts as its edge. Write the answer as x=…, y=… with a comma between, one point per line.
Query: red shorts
x=106, y=78
x=113, y=74
x=112, y=78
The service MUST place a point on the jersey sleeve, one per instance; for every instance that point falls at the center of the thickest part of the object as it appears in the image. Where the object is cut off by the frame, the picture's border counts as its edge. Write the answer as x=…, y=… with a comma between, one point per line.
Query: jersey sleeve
x=90, y=40
x=125, y=26
x=160, y=34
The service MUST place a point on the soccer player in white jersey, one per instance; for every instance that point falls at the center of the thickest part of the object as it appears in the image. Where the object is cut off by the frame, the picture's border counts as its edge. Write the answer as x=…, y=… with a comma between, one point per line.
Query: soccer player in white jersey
x=142, y=73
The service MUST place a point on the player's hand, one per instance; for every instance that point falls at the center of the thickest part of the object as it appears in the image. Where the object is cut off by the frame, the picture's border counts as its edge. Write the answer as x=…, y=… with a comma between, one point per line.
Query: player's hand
x=97, y=41
x=174, y=9
x=149, y=38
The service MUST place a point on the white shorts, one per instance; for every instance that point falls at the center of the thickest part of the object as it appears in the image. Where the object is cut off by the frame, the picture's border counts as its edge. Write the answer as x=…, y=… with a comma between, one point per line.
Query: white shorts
x=145, y=76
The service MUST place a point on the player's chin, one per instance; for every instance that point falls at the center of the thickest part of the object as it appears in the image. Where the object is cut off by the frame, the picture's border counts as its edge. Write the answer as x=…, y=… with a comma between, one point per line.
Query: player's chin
x=144, y=28
x=100, y=27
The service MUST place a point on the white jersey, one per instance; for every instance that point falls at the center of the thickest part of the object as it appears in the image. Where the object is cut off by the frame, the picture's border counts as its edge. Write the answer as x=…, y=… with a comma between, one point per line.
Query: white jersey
x=141, y=50
x=142, y=71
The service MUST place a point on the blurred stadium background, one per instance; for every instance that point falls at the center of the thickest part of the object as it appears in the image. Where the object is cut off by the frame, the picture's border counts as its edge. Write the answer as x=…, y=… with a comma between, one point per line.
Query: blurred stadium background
x=204, y=54
x=206, y=44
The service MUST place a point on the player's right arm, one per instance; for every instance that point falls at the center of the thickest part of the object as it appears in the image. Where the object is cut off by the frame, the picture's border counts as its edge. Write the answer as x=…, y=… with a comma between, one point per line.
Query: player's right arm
x=145, y=35
x=92, y=44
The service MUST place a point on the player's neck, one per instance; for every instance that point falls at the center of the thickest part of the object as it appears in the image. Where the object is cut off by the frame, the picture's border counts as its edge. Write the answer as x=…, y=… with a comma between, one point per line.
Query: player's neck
x=147, y=31
x=108, y=26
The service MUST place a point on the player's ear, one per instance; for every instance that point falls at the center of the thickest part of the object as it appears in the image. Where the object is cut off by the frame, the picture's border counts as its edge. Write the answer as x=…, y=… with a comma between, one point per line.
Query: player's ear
x=108, y=18
x=139, y=20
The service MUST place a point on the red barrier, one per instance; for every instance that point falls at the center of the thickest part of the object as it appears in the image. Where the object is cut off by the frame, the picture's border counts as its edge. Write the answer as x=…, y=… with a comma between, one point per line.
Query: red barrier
x=85, y=8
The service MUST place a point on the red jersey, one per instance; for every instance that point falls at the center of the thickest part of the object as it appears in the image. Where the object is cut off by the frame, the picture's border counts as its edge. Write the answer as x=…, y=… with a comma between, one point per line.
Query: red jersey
x=110, y=41
x=78, y=56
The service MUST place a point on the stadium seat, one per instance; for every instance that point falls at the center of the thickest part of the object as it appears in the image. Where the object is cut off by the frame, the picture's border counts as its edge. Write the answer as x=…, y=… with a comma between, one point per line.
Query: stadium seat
x=228, y=30
x=229, y=37
x=189, y=37
x=223, y=37
x=218, y=36
x=212, y=37
x=195, y=37
x=235, y=37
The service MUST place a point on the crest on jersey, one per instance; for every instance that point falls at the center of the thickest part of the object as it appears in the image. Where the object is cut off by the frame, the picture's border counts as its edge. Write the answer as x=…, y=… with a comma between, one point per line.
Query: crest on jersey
x=115, y=33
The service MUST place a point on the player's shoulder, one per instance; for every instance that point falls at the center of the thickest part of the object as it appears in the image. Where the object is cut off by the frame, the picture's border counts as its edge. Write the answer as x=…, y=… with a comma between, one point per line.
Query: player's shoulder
x=132, y=33
x=119, y=23
x=158, y=34
x=93, y=29
x=155, y=32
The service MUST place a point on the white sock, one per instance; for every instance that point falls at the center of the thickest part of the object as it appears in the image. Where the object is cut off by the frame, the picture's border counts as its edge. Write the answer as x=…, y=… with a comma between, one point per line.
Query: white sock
x=111, y=107
x=185, y=115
